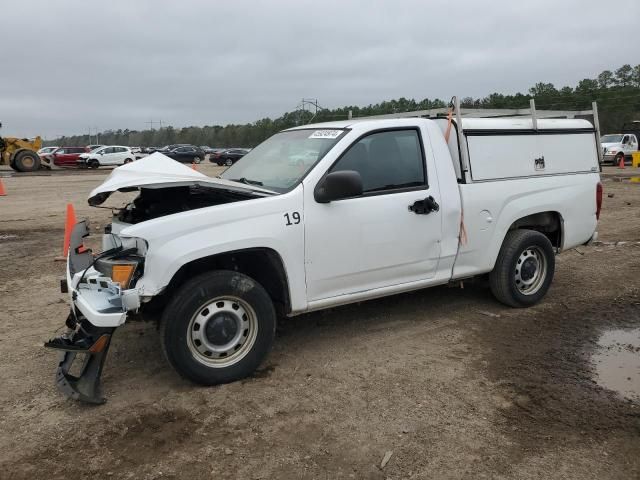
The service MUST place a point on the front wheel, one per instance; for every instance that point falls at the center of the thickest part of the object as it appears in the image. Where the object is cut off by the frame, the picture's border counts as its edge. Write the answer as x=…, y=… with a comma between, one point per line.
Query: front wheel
x=218, y=327
x=228, y=162
x=197, y=159
x=524, y=269
x=93, y=163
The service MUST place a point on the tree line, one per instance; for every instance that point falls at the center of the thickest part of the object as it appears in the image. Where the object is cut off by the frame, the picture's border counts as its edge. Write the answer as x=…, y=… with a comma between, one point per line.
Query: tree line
x=617, y=93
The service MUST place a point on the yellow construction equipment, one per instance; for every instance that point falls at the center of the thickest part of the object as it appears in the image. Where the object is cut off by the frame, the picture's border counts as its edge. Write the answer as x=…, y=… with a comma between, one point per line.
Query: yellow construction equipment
x=21, y=153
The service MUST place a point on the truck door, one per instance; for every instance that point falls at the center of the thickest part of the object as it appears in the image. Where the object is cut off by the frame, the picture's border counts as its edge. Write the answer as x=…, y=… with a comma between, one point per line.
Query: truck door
x=375, y=240
x=626, y=145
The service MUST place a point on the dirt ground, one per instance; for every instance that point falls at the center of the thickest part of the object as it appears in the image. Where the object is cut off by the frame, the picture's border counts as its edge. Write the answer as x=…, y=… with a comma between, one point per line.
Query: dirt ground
x=450, y=382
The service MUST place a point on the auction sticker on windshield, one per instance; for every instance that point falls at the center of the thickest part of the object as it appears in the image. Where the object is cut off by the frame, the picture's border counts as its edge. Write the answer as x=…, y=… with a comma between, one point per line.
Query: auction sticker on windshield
x=326, y=134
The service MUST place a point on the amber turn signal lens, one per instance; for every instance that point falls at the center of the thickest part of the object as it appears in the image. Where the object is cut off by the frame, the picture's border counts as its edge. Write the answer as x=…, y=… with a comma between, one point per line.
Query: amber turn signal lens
x=122, y=274
x=100, y=344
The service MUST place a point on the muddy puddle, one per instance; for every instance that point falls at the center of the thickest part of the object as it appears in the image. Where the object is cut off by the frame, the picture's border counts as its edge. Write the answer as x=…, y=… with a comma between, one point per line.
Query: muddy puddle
x=617, y=362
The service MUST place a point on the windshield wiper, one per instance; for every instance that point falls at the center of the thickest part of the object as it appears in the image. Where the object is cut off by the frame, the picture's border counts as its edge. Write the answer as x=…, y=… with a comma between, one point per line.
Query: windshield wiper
x=246, y=181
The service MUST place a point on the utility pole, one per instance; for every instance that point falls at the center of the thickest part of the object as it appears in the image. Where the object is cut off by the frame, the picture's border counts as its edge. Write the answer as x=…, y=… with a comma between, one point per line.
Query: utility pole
x=312, y=103
x=150, y=122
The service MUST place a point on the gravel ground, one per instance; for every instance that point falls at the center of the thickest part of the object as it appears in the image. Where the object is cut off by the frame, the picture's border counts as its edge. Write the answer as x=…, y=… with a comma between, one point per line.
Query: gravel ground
x=441, y=383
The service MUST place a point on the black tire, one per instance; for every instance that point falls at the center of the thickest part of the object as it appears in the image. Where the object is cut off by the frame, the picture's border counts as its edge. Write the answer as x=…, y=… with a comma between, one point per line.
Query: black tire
x=127, y=160
x=619, y=157
x=197, y=159
x=93, y=163
x=26, y=161
x=192, y=302
x=508, y=279
x=228, y=162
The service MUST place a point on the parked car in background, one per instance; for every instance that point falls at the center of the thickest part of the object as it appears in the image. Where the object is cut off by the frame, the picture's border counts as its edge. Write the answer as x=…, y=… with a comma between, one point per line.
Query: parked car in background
x=67, y=156
x=112, y=156
x=46, y=153
x=186, y=153
x=618, y=146
x=228, y=157
x=136, y=149
x=47, y=150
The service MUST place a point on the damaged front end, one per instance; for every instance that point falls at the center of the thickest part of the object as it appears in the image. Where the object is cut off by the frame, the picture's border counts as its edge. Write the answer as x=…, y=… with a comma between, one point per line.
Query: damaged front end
x=100, y=296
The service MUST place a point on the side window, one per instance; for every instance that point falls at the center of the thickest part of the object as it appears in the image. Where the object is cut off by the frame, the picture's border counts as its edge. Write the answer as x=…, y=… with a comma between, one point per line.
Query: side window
x=625, y=139
x=60, y=151
x=386, y=160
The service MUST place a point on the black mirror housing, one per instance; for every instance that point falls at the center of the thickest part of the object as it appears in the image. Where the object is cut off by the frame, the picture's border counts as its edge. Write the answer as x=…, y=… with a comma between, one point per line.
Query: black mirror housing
x=338, y=185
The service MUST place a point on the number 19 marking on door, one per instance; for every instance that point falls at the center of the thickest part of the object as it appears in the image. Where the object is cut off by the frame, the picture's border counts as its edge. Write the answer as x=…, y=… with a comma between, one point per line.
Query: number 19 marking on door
x=295, y=216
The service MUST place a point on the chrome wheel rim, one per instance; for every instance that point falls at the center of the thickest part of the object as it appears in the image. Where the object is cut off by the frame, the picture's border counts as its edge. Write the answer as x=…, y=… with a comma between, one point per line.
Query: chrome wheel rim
x=530, y=270
x=228, y=163
x=222, y=332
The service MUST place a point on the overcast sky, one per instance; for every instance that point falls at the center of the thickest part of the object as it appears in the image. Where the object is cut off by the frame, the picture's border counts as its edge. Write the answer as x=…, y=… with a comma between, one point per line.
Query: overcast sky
x=71, y=65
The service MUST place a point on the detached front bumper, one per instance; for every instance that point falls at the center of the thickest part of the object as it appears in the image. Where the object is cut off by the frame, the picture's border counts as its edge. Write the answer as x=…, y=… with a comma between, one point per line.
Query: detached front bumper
x=98, y=306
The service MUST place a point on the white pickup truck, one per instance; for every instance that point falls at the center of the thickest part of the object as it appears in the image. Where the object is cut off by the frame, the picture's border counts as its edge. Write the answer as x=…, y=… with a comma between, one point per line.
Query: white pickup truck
x=320, y=216
x=618, y=147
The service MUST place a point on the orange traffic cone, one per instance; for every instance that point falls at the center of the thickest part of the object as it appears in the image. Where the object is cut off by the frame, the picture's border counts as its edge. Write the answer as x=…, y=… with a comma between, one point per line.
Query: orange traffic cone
x=621, y=164
x=68, y=226
x=2, y=191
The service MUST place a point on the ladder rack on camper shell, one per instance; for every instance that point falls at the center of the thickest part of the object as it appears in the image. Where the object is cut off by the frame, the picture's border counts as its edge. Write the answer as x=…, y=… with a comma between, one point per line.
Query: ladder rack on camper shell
x=532, y=112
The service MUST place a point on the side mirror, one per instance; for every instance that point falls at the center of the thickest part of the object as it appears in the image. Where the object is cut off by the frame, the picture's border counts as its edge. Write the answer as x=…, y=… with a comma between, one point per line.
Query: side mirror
x=338, y=185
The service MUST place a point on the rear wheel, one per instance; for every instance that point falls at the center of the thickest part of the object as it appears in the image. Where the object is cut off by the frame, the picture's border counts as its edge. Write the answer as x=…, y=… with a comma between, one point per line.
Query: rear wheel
x=218, y=327
x=197, y=159
x=228, y=162
x=524, y=268
x=26, y=161
x=128, y=160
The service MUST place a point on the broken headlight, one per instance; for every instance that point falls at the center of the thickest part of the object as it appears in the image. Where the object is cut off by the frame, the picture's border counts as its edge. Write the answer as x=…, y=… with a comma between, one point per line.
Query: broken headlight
x=123, y=269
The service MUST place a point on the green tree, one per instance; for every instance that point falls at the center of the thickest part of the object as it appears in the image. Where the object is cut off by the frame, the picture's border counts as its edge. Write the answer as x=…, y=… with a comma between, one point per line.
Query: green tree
x=605, y=79
x=624, y=75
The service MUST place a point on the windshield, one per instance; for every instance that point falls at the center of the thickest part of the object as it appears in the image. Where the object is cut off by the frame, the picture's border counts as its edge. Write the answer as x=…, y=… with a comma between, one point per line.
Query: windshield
x=611, y=139
x=280, y=162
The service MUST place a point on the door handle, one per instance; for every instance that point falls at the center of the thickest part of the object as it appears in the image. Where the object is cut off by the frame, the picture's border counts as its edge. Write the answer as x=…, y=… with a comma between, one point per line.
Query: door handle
x=425, y=207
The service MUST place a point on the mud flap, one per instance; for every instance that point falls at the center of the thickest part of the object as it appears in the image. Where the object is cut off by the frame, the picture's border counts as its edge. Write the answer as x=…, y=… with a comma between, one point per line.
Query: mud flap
x=86, y=386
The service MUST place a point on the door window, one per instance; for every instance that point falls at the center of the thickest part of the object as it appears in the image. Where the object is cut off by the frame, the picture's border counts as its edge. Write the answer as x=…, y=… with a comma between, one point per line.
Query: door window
x=386, y=160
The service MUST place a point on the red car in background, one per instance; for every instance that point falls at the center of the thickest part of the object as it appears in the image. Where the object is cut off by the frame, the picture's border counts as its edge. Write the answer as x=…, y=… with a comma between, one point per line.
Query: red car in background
x=67, y=156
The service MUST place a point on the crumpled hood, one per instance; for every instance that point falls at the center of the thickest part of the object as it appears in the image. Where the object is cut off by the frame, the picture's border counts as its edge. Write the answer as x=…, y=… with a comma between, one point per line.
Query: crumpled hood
x=159, y=171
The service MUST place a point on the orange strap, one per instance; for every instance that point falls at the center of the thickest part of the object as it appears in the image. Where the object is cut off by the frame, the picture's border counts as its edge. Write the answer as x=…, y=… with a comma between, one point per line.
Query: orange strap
x=449, y=119
x=463, y=230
